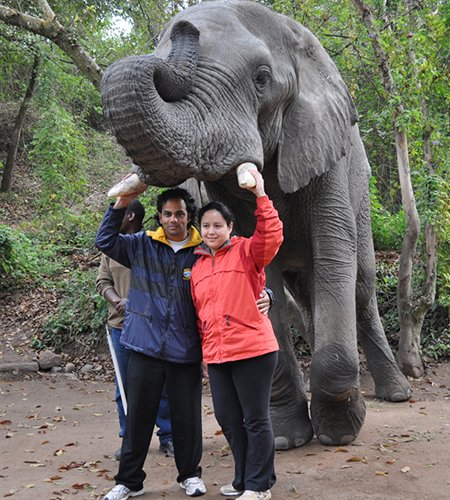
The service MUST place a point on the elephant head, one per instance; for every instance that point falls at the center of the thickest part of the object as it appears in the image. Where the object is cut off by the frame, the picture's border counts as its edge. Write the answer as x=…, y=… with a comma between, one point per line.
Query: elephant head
x=230, y=82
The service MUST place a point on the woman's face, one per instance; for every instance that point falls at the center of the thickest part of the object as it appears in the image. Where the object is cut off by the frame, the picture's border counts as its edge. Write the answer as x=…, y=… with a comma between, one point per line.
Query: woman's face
x=214, y=229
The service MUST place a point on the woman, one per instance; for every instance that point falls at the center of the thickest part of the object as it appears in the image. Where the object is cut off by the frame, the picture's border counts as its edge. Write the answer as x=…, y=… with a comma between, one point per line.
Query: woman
x=238, y=342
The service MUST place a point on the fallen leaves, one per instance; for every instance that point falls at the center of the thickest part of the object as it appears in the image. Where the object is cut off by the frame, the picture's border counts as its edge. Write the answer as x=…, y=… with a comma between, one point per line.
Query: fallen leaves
x=364, y=460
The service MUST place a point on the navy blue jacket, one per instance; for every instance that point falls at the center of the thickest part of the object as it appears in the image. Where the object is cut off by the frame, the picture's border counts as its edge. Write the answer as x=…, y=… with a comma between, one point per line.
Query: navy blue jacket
x=160, y=318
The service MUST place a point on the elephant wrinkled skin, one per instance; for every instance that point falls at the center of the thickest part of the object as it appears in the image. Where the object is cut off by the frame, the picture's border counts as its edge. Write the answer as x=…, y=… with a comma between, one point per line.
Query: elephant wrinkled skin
x=231, y=82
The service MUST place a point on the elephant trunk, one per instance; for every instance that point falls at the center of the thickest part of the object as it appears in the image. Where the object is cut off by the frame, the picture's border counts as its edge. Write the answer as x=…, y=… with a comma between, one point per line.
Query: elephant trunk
x=139, y=98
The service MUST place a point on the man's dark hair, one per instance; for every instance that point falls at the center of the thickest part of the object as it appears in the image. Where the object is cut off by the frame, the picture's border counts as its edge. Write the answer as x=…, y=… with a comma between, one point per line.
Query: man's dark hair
x=224, y=211
x=177, y=194
x=138, y=208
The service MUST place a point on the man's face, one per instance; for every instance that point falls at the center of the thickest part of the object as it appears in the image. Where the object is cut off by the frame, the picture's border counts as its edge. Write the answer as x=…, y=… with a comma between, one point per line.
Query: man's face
x=174, y=219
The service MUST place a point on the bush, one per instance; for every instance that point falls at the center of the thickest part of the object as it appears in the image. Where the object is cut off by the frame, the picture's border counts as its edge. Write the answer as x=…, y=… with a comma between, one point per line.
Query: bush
x=387, y=279
x=59, y=153
x=435, y=335
x=81, y=315
x=7, y=262
x=388, y=229
x=21, y=256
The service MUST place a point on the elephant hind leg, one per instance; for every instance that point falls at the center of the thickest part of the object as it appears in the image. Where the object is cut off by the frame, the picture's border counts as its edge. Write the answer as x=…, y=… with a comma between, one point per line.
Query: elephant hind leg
x=390, y=383
x=289, y=402
x=337, y=406
x=289, y=405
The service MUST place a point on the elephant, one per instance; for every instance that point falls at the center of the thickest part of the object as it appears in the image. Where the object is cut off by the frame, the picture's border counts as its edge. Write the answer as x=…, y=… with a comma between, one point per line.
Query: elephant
x=231, y=82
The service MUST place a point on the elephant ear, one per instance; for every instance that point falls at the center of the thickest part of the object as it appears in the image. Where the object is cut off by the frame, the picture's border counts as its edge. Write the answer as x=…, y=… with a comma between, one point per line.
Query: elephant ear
x=317, y=123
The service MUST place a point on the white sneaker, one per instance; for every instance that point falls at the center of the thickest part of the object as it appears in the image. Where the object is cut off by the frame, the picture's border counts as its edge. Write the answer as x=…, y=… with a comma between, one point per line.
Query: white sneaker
x=194, y=486
x=121, y=492
x=256, y=495
x=229, y=491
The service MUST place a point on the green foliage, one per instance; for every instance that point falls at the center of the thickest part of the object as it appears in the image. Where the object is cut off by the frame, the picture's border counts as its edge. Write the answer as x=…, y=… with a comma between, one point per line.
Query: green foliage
x=443, y=229
x=435, y=337
x=387, y=279
x=73, y=159
x=148, y=199
x=81, y=315
x=59, y=153
x=23, y=257
x=7, y=261
x=388, y=229
x=301, y=346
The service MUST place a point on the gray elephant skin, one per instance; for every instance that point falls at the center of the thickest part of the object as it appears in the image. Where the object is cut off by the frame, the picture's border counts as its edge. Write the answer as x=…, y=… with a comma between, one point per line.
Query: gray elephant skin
x=232, y=82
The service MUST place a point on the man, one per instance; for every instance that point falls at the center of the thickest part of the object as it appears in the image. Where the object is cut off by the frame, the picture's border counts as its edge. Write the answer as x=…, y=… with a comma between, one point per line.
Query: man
x=160, y=328
x=113, y=283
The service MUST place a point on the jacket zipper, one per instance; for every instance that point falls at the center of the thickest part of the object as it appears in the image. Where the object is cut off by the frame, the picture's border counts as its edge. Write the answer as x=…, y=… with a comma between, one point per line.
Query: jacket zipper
x=169, y=306
x=220, y=346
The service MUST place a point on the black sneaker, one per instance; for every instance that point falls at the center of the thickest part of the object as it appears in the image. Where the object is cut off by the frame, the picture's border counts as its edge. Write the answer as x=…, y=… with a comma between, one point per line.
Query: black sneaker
x=167, y=449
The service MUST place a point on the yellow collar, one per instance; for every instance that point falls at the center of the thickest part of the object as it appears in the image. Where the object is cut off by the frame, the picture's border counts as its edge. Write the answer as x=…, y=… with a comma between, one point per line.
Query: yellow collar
x=160, y=235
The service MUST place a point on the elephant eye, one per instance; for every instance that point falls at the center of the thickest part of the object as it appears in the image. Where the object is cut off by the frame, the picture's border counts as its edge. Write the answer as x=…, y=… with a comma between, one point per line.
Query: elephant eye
x=262, y=78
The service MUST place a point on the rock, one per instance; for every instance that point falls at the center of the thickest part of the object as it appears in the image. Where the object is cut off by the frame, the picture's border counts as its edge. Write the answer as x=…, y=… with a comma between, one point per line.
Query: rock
x=69, y=368
x=86, y=368
x=48, y=359
x=26, y=367
x=56, y=369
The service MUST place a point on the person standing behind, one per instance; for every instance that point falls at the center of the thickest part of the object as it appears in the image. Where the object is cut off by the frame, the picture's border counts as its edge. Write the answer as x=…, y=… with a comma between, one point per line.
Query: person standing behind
x=238, y=343
x=113, y=283
x=160, y=328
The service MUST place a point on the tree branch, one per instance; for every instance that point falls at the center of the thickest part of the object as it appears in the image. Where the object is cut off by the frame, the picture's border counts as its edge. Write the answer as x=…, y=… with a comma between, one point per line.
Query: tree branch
x=50, y=28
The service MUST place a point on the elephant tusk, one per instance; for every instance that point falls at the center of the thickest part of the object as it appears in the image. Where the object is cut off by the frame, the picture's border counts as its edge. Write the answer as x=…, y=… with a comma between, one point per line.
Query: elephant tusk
x=245, y=178
x=131, y=184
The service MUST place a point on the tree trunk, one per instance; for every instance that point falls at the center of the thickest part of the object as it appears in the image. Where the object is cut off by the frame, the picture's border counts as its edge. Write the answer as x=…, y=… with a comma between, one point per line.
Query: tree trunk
x=409, y=358
x=15, y=137
x=409, y=345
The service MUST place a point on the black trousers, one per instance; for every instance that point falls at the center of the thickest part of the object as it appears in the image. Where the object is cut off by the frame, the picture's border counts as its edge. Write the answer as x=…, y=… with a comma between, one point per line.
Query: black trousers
x=241, y=397
x=146, y=378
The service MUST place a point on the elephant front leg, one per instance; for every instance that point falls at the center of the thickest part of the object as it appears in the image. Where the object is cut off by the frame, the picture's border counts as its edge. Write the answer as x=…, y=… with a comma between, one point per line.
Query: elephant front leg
x=289, y=403
x=337, y=406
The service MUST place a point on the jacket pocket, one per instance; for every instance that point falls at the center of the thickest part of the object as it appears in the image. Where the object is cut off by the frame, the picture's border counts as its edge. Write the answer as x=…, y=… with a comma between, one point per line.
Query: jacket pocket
x=233, y=320
x=190, y=330
x=148, y=316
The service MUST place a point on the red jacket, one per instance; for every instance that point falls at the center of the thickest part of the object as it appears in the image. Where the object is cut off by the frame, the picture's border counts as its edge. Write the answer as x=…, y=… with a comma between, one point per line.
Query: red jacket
x=225, y=288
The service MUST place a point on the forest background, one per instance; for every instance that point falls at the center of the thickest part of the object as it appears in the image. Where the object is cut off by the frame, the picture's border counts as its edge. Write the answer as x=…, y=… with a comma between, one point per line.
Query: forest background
x=57, y=158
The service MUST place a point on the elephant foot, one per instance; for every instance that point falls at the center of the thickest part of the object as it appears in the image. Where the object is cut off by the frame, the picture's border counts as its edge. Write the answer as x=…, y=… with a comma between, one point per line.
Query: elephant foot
x=395, y=390
x=291, y=425
x=338, y=423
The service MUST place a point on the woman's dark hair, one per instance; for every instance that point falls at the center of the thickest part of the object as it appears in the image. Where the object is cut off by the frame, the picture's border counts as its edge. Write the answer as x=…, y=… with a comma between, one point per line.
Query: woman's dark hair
x=177, y=194
x=224, y=211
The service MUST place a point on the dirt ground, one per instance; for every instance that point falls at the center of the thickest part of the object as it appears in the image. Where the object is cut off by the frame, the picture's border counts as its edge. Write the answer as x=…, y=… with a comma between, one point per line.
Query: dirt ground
x=58, y=435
